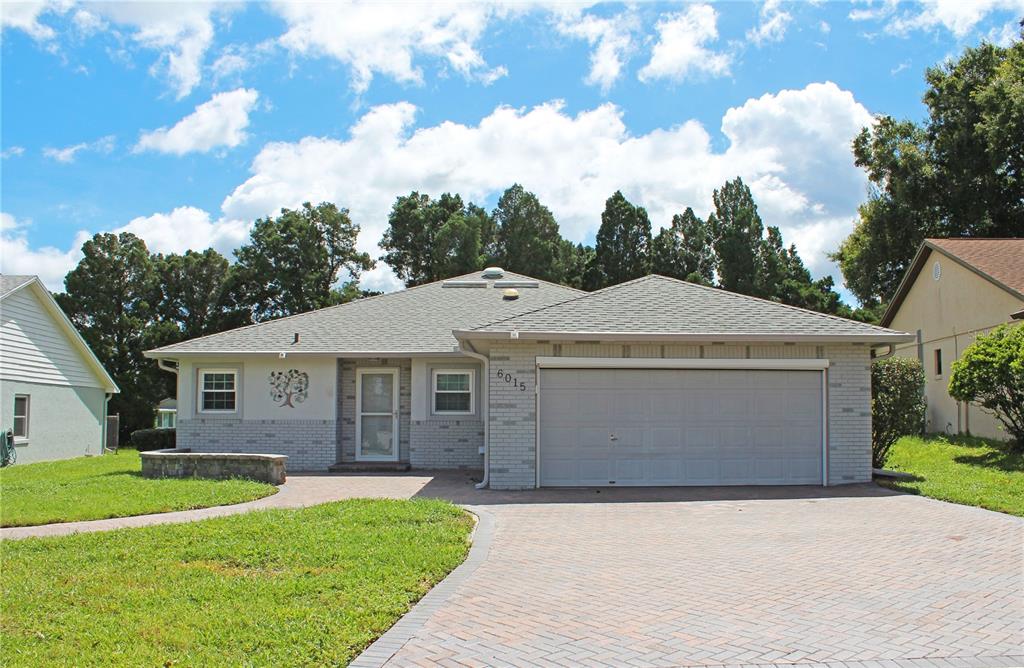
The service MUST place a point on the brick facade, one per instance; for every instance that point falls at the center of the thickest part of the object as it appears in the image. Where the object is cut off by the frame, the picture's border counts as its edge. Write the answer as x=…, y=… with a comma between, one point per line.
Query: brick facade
x=513, y=412
x=309, y=444
x=447, y=443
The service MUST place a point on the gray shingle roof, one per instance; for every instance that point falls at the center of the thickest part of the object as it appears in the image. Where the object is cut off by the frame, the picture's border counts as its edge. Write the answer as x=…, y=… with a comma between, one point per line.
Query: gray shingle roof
x=668, y=307
x=9, y=283
x=416, y=320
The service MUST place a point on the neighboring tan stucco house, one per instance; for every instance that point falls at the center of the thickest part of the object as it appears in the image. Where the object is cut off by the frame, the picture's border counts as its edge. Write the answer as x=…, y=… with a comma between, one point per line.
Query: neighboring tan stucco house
x=53, y=389
x=955, y=290
x=651, y=382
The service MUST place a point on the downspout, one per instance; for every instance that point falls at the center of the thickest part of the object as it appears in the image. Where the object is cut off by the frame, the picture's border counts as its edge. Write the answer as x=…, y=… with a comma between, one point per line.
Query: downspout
x=466, y=348
x=875, y=355
x=165, y=367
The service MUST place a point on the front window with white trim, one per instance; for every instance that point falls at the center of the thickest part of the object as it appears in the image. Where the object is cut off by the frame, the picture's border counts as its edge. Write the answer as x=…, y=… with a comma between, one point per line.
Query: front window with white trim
x=453, y=391
x=218, y=390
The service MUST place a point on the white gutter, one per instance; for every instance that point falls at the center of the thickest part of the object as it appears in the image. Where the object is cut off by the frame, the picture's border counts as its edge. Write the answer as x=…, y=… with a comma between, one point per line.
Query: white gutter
x=485, y=410
x=161, y=363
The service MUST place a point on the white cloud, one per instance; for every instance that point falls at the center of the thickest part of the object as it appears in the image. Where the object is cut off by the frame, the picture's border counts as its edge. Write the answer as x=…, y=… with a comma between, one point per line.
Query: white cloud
x=377, y=38
x=185, y=228
x=17, y=256
x=959, y=17
x=221, y=121
x=793, y=148
x=905, y=65
x=68, y=154
x=12, y=152
x=824, y=27
x=681, y=51
x=772, y=25
x=611, y=37
x=24, y=15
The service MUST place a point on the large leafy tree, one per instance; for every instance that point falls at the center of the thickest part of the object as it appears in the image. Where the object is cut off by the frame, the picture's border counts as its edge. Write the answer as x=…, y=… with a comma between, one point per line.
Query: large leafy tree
x=292, y=262
x=428, y=239
x=737, y=230
x=575, y=259
x=111, y=297
x=528, y=239
x=623, y=248
x=194, y=297
x=683, y=250
x=959, y=173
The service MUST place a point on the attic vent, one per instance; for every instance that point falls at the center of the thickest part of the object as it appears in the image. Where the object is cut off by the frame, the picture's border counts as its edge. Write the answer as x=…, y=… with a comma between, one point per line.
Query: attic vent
x=516, y=284
x=509, y=294
x=464, y=284
x=493, y=272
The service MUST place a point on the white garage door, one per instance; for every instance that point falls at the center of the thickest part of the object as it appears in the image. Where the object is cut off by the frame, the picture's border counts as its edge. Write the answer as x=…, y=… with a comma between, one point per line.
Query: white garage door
x=628, y=427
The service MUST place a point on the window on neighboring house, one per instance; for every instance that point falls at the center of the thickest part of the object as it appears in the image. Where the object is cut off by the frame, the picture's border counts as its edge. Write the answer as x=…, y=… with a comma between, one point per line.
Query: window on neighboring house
x=165, y=419
x=21, y=416
x=938, y=361
x=453, y=392
x=218, y=390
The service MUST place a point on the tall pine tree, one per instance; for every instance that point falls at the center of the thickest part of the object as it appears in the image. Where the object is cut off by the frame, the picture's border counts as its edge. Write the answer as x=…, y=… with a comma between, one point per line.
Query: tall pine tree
x=623, y=248
x=683, y=250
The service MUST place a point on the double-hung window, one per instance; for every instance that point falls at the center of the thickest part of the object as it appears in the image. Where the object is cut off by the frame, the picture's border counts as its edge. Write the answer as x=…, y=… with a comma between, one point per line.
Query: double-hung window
x=218, y=390
x=21, y=416
x=453, y=391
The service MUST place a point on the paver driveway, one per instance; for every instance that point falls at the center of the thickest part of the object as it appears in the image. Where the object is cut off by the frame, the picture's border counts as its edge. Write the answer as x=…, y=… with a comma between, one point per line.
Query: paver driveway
x=869, y=577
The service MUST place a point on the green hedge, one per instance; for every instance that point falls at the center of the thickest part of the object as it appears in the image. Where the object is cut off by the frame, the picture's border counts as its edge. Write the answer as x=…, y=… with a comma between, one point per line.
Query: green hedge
x=897, y=403
x=153, y=439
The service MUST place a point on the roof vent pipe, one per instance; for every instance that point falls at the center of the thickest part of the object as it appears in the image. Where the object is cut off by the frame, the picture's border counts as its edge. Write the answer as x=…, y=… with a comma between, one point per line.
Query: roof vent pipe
x=296, y=339
x=510, y=294
x=493, y=272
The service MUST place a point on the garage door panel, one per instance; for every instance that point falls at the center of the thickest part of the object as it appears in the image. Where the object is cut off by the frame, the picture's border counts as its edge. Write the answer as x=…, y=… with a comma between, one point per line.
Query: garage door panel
x=680, y=427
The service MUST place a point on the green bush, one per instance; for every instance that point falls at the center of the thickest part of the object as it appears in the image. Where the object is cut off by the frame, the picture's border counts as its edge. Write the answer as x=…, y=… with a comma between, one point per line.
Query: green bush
x=991, y=373
x=897, y=403
x=144, y=440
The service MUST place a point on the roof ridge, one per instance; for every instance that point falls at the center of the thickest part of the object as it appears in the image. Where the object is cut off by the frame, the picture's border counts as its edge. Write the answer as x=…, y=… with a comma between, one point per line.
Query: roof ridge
x=769, y=301
x=719, y=291
x=584, y=295
x=361, y=300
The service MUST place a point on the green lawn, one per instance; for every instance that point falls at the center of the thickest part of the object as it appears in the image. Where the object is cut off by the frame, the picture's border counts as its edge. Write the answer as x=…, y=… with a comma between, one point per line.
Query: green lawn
x=306, y=587
x=90, y=488
x=971, y=471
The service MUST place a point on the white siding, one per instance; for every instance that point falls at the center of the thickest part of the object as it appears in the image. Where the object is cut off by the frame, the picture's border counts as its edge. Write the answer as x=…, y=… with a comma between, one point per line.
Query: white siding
x=34, y=347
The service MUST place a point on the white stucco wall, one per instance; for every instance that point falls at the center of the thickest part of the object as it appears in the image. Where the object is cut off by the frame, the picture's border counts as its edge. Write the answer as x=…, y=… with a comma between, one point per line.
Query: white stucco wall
x=254, y=400
x=63, y=421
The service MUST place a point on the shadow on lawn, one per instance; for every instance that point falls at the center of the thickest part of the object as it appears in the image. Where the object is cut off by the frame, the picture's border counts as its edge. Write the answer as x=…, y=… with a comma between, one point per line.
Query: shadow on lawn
x=999, y=457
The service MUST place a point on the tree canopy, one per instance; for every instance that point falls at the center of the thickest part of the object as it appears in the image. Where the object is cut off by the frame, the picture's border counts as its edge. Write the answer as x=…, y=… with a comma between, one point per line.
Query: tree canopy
x=960, y=172
x=292, y=262
x=623, y=248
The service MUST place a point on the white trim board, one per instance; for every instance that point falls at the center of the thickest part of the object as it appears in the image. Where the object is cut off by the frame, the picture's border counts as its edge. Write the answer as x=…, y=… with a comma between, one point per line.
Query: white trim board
x=694, y=363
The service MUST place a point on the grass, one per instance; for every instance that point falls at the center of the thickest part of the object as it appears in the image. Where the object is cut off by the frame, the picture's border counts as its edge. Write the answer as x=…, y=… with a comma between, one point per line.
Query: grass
x=92, y=488
x=967, y=470
x=306, y=587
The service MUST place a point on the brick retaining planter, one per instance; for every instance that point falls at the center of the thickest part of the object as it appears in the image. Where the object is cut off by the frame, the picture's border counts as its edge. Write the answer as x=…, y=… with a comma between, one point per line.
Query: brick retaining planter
x=183, y=463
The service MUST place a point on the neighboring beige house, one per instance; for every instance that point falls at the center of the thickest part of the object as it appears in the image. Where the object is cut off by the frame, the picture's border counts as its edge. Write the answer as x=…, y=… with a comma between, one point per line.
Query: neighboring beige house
x=651, y=382
x=955, y=290
x=53, y=389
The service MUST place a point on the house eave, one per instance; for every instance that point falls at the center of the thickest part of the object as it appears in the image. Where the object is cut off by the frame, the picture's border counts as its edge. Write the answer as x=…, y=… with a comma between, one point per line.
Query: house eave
x=365, y=354
x=746, y=337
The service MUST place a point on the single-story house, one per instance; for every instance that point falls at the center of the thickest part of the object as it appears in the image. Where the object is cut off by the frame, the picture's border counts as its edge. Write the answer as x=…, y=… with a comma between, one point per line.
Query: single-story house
x=53, y=389
x=954, y=290
x=166, y=414
x=651, y=382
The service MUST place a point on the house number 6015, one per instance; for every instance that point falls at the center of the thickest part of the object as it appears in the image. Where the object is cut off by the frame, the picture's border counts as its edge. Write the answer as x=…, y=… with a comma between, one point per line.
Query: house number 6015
x=511, y=380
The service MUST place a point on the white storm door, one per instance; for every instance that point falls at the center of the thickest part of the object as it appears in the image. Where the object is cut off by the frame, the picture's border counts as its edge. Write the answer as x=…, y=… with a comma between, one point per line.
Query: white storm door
x=377, y=415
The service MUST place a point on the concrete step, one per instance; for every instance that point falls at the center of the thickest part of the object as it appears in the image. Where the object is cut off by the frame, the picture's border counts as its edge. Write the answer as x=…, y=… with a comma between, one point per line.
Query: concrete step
x=368, y=467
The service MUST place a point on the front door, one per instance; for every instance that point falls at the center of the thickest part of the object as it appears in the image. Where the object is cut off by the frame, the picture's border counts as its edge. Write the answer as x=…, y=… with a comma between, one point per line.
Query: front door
x=377, y=415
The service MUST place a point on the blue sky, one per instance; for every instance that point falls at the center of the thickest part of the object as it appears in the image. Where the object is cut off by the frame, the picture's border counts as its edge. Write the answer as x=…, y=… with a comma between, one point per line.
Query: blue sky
x=185, y=122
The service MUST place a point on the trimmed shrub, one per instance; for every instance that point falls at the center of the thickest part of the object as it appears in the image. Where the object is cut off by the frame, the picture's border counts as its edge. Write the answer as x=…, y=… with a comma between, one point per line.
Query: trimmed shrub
x=144, y=440
x=897, y=403
x=991, y=373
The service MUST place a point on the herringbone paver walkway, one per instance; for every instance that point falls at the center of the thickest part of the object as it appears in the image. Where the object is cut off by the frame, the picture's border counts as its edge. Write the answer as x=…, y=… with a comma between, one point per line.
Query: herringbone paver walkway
x=871, y=581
